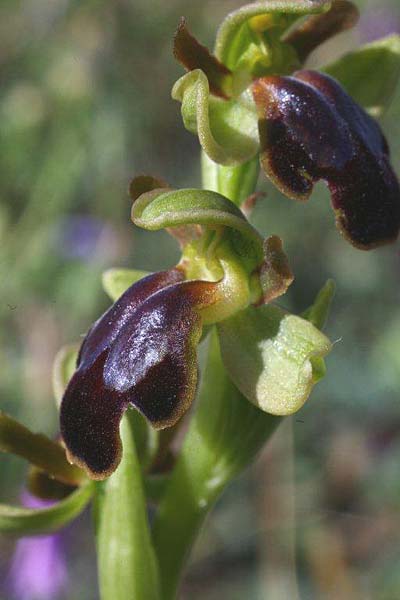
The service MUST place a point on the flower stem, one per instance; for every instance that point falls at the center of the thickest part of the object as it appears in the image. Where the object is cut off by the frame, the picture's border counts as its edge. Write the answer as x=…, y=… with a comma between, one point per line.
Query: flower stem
x=126, y=560
x=236, y=183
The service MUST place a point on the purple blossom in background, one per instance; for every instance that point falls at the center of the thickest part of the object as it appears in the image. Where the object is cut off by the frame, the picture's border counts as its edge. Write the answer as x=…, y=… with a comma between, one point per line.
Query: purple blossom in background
x=378, y=22
x=38, y=569
x=85, y=238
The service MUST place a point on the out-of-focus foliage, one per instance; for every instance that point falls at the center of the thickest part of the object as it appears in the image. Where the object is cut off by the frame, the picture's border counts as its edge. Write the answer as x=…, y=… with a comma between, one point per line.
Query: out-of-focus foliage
x=85, y=105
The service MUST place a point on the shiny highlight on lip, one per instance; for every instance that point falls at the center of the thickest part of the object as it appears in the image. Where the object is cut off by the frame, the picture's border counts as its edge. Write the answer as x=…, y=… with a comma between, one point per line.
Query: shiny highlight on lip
x=140, y=353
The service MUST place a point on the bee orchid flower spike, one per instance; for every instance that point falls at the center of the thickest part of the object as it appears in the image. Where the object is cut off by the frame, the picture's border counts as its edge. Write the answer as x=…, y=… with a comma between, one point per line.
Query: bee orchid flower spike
x=252, y=97
x=142, y=351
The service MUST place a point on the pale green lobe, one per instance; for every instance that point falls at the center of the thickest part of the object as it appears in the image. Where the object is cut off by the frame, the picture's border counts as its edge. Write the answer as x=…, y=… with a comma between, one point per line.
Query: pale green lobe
x=116, y=281
x=159, y=209
x=64, y=366
x=370, y=74
x=233, y=34
x=227, y=129
x=268, y=354
x=26, y=521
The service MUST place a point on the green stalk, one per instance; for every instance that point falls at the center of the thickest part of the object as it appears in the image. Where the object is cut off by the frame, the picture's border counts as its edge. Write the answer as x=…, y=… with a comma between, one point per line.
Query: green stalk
x=236, y=183
x=126, y=561
x=225, y=434
x=38, y=449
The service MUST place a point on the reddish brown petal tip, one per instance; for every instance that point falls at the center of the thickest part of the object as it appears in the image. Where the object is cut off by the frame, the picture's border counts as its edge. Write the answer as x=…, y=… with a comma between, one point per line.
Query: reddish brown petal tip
x=316, y=29
x=145, y=183
x=310, y=129
x=276, y=275
x=193, y=55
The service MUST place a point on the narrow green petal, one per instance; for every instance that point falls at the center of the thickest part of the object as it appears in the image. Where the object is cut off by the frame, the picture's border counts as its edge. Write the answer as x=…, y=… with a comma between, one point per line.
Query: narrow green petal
x=318, y=312
x=370, y=74
x=26, y=521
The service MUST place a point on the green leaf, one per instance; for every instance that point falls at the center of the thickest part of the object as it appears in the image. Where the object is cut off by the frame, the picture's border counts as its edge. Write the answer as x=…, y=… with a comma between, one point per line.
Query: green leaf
x=63, y=368
x=116, y=281
x=127, y=565
x=38, y=449
x=233, y=34
x=370, y=74
x=318, y=312
x=225, y=434
x=268, y=354
x=227, y=129
x=26, y=521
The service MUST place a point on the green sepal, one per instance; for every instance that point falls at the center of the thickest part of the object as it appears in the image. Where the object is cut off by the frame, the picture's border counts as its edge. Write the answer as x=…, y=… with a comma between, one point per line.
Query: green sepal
x=64, y=366
x=26, y=521
x=116, y=281
x=227, y=129
x=370, y=74
x=268, y=354
x=126, y=558
x=234, y=34
x=158, y=210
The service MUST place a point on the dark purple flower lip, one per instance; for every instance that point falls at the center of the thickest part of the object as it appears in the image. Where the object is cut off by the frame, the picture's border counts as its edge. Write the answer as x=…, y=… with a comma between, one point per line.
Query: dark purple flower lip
x=311, y=130
x=141, y=352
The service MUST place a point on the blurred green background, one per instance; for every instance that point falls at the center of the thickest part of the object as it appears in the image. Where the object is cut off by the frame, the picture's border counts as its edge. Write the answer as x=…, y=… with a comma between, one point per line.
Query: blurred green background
x=84, y=106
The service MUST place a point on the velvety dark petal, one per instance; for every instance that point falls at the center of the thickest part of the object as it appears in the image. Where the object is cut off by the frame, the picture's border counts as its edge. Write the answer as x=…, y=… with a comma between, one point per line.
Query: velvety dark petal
x=152, y=363
x=193, y=55
x=107, y=327
x=316, y=29
x=89, y=418
x=310, y=129
x=141, y=352
x=298, y=128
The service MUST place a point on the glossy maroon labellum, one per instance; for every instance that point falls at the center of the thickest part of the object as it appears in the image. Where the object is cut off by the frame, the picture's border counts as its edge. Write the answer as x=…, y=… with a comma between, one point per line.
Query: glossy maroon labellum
x=310, y=130
x=141, y=352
